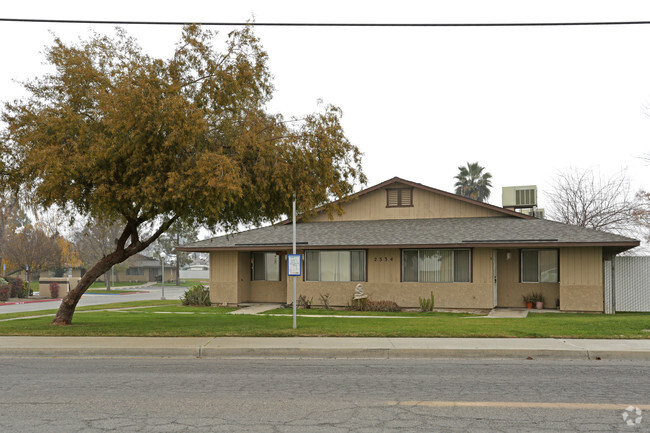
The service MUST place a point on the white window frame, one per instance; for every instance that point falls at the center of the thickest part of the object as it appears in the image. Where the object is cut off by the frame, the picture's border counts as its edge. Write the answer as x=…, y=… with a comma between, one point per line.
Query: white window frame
x=266, y=274
x=539, y=267
x=453, y=265
x=363, y=270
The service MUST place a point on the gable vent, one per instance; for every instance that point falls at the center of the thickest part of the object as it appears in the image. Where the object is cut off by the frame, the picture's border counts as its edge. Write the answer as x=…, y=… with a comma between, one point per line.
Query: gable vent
x=399, y=197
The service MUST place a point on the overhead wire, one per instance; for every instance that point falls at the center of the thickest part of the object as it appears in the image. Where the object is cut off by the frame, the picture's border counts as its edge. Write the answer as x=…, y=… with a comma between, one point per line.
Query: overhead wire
x=328, y=24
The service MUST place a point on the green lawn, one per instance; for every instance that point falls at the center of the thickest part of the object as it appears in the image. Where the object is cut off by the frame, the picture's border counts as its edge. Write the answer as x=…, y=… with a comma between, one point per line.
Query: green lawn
x=89, y=308
x=183, y=283
x=104, y=291
x=212, y=321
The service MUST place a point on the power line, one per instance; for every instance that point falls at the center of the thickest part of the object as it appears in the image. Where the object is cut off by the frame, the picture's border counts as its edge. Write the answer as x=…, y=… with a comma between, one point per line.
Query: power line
x=305, y=24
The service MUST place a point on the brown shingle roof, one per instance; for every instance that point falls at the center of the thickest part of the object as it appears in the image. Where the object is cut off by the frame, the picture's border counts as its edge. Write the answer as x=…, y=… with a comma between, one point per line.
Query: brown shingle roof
x=440, y=232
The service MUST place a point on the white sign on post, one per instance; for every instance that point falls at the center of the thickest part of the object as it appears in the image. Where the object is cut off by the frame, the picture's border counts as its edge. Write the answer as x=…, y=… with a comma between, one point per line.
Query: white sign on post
x=294, y=265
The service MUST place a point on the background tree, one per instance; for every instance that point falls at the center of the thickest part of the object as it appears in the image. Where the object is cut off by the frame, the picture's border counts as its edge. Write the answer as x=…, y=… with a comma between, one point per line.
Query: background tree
x=581, y=198
x=94, y=241
x=118, y=136
x=12, y=218
x=472, y=183
x=33, y=250
x=178, y=234
x=642, y=214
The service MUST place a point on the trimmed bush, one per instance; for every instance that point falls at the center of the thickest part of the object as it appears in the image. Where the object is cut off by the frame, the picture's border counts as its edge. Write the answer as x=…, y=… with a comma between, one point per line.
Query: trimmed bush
x=385, y=306
x=16, y=288
x=54, y=289
x=368, y=305
x=197, y=295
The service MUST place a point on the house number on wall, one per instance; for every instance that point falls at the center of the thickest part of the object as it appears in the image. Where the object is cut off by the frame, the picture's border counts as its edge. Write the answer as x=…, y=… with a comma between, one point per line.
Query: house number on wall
x=383, y=259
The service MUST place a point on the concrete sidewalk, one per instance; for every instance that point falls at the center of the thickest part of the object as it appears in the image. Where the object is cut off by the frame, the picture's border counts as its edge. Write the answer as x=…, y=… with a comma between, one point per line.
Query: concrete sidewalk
x=323, y=347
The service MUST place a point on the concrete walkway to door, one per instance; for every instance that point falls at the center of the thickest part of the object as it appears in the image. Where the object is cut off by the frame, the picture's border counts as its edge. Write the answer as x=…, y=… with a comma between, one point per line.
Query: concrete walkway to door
x=507, y=313
x=256, y=308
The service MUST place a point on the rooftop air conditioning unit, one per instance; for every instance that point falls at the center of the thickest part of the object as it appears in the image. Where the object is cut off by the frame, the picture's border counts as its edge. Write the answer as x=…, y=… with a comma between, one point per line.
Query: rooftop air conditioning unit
x=519, y=196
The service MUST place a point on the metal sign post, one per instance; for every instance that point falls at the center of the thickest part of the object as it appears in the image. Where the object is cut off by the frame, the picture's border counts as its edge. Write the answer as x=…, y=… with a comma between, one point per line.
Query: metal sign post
x=294, y=254
x=162, y=279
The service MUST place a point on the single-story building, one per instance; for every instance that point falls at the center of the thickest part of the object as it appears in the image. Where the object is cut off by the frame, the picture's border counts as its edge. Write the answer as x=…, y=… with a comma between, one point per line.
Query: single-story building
x=402, y=240
x=140, y=268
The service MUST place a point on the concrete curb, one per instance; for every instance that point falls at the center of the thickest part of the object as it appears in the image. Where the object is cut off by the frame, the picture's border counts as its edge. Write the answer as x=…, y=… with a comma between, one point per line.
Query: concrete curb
x=323, y=347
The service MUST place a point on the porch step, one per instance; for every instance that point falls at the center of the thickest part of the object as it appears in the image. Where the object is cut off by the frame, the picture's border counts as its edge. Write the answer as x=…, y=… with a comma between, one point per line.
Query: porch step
x=507, y=313
x=256, y=308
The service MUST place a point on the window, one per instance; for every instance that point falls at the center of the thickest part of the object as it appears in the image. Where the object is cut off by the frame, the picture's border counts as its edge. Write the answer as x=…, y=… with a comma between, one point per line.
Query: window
x=266, y=267
x=326, y=265
x=539, y=266
x=436, y=266
x=134, y=271
x=399, y=197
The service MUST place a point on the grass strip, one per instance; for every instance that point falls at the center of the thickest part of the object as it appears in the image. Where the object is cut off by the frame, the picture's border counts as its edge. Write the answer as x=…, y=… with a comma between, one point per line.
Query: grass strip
x=142, y=323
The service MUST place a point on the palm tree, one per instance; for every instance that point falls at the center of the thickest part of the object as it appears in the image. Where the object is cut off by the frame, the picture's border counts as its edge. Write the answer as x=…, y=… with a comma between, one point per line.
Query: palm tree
x=472, y=182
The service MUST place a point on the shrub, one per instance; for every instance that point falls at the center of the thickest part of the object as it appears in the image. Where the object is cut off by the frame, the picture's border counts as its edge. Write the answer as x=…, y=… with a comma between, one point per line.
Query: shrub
x=303, y=302
x=357, y=304
x=54, y=289
x=4, y=293
x=426, y=304
x=197, y=295
x=366, y=304
x=325, y=300
x=385, y=306
x=16, y=287
x=537, y=297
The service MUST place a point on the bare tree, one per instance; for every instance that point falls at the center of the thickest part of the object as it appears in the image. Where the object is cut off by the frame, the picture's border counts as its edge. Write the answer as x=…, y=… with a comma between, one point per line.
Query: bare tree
x=643, y=213
x=95, y=241
x=584, y=199
x=12, y=218
x=33, y=250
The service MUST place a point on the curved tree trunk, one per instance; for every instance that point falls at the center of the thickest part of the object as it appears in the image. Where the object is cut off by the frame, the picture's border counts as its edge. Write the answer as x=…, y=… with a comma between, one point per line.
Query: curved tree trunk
x=69, y=303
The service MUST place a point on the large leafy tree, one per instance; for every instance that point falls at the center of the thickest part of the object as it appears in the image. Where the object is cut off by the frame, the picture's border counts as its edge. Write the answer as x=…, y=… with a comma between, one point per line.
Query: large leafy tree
x=472, y=183
x=118, y=136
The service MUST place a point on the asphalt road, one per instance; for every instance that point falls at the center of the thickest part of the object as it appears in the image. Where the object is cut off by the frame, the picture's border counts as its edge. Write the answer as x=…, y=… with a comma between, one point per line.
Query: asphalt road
x=241, y=395
x=152, y=292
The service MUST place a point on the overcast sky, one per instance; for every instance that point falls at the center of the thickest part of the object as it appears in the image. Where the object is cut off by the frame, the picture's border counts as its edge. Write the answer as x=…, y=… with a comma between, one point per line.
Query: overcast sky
x=523, y=102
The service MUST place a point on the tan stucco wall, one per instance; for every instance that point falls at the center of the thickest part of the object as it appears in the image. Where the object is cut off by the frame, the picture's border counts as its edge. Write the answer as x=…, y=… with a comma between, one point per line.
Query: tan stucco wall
x=384, y=284
x=426, y=204
x=244, y=277
x=64, y=287
x=580, y=287
x=510, y=291
x=223, y=277
x=581, y=279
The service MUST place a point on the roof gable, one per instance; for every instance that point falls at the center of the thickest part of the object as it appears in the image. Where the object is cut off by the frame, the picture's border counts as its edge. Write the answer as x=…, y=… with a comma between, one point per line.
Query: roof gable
x=373, y=204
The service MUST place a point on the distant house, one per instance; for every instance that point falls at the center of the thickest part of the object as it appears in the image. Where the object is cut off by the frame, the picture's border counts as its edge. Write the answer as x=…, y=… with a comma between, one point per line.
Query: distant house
x=140, y=268
x=402, y=240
